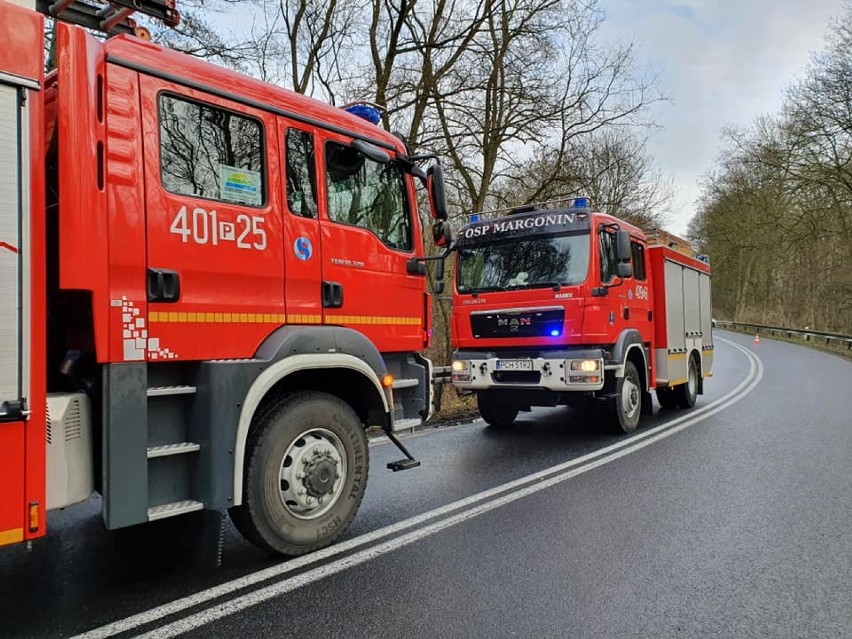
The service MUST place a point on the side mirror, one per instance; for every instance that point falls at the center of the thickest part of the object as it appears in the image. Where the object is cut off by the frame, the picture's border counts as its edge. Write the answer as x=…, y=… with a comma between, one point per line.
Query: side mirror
x=624, y=269
x=622, y=246
x=439, y=288
x=442, y=233
x=437, y=192
x=371, y=151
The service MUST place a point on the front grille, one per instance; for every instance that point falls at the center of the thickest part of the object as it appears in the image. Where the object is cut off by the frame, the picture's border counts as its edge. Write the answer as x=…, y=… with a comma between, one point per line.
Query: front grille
x=516, y=377
x=546, y=322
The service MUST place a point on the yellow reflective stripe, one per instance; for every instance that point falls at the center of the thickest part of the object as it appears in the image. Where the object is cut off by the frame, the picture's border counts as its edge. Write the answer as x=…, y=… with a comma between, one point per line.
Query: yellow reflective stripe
x=180, y=317
x=12, y=536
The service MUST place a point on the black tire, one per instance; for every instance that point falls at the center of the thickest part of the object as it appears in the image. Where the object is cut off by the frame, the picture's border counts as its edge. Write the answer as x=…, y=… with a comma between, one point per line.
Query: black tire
x=321, y=435
x=665, y=396
x=686, y=394
x=496, y=414
x=623, y=411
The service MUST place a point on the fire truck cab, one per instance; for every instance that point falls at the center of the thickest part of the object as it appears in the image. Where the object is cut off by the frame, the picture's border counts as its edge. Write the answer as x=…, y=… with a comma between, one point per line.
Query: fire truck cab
x=563, y=305
x=209, y=287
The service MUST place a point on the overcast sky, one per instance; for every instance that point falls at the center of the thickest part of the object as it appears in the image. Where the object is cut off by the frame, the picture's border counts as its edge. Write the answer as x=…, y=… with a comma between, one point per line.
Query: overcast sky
x=721, y=62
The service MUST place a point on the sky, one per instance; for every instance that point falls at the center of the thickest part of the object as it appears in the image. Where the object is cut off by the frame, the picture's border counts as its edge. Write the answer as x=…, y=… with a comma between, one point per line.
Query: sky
x=721, y=62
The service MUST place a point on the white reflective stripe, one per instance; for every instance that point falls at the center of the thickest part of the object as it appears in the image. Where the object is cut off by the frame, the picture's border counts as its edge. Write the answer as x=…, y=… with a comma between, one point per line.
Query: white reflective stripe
x=11, y=251
x=275, y=373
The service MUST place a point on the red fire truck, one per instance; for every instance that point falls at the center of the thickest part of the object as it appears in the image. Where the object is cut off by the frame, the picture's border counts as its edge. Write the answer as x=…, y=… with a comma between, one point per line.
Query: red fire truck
x=563, y=305
x=209, y=286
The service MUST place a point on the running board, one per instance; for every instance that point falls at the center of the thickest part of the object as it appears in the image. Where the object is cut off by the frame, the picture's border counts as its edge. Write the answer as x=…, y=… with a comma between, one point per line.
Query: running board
x=174, y=509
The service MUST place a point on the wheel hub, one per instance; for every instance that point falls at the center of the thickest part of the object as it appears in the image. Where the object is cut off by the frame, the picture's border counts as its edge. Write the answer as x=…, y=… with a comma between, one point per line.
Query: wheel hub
x=320, y=477
x=313, y=472
x=630, y=396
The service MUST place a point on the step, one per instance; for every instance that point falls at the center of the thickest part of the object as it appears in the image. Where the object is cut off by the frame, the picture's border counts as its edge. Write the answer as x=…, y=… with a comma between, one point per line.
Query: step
x=174, y=509
x=172, y=449
x=405, y=424
x=405, y=383
x=167, y=391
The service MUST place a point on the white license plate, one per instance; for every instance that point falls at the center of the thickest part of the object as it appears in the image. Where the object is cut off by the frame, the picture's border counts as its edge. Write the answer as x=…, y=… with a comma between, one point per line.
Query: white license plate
x=514, y=365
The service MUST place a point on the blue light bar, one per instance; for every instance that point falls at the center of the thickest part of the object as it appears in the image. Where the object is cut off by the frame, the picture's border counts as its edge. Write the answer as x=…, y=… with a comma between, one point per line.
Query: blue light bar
x=473, y=217
x=581, y=203
x=554, y=332
x=366, y=112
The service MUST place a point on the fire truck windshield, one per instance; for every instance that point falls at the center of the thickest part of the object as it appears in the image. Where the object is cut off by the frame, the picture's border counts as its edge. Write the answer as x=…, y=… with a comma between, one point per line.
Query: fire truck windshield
x=535, y=262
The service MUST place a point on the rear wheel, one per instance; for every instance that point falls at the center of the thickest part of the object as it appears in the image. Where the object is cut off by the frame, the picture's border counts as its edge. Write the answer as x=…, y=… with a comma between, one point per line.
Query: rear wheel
x=496, y=414
x=686, y=394
x=623, y=411
x=305, y=474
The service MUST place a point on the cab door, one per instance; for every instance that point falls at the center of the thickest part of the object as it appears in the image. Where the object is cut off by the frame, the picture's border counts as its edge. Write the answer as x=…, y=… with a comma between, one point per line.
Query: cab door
x=215, y=273
x=369, y=236
x=302, y=243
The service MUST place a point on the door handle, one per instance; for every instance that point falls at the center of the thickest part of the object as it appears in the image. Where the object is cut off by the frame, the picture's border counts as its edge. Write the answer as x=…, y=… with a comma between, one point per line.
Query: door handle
x=332, y=294
x=163, y=285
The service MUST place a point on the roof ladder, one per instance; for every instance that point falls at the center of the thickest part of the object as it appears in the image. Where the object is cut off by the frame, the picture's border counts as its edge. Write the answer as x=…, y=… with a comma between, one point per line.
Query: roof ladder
x=113, y=16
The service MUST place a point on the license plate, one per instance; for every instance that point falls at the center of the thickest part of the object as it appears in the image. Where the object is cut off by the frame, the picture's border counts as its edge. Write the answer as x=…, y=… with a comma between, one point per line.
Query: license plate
x=514, y=365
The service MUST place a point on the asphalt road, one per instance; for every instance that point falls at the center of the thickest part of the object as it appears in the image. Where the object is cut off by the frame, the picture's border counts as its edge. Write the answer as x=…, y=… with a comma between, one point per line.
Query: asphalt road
x=733, y=519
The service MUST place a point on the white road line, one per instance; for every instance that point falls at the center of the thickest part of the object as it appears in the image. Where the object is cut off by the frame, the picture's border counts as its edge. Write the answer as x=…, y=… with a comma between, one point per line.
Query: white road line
x=539, y=480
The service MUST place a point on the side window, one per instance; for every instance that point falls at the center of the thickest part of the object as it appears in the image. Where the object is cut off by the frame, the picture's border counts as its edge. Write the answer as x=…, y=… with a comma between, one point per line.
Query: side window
x=209, y=152
x=638, y=252
x=368, y=194
x=301, y=173
x=607, y=247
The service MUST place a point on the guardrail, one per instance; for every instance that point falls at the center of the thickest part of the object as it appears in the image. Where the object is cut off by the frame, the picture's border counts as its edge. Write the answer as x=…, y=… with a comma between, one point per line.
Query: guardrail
x=807, y=335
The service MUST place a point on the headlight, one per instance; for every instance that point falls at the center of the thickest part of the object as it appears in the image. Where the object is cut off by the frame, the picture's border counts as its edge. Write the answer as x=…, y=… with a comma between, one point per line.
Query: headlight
x=461, y=370
x=586, y=365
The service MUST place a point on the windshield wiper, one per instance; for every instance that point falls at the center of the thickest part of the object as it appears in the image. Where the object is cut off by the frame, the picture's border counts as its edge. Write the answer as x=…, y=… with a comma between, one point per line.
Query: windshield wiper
x=554, y=285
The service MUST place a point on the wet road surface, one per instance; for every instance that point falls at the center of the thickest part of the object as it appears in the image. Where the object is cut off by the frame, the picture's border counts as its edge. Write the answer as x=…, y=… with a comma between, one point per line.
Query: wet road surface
x=734, y=521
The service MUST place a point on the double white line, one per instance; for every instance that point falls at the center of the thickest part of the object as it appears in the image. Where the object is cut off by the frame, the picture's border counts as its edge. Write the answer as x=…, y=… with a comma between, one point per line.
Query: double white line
x=469, y=508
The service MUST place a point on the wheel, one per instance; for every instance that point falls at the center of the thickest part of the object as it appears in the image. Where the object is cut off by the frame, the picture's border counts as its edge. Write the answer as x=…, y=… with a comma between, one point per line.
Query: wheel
x=305, y=474
x=496, y=414
x=665, y=396
x=624, y=410
x=686, y=394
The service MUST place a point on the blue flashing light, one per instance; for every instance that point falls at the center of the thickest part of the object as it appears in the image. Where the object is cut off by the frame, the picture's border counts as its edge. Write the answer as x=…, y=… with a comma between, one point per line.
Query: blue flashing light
x=554, y=332
x=367, y=112
x=581, y=203
x=473, y=217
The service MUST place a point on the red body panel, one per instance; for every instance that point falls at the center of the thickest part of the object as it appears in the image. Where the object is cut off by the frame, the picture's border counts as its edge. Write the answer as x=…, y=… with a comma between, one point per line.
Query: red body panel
x=22, y=444
x=657, y=255
x=231, y=298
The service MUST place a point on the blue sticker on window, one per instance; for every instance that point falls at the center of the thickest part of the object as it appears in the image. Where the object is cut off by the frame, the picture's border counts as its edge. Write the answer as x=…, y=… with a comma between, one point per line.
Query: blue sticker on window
x=302, y=248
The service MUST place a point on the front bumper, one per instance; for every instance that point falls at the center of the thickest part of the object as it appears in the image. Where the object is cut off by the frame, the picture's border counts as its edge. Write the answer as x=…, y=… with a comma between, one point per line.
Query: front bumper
x=558, y=371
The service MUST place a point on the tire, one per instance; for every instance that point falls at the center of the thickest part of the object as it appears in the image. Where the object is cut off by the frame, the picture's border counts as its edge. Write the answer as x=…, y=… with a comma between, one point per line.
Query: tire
x=622, y=412
x=665, y=396
x=496, y=414
x=686, y=394
x=309, y=446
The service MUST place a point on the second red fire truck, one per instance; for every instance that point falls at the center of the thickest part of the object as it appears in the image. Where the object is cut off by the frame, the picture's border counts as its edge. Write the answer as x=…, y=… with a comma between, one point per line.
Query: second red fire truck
x=564, y=305
x=209, y=286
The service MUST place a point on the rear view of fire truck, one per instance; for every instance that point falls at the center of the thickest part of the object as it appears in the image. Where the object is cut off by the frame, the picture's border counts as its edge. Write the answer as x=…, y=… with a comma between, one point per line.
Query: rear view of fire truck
x=560, y=304
x=190, y=268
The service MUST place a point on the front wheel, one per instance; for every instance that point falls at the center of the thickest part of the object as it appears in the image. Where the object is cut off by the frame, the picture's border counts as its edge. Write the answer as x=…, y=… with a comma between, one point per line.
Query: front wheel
x=623, y=411
x=305, y=474
x=496, y=414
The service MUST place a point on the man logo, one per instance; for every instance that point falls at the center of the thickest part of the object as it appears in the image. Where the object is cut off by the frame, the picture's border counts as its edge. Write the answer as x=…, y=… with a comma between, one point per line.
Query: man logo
x=302, y=248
